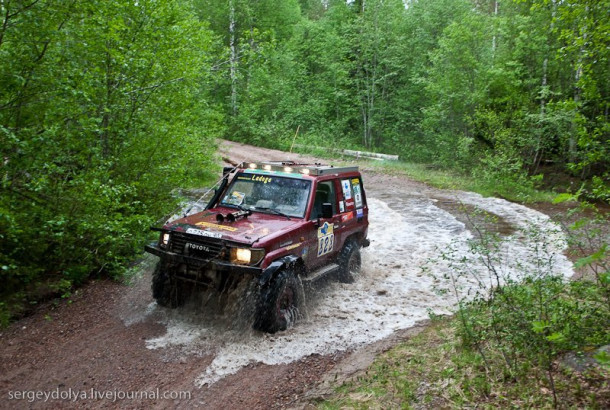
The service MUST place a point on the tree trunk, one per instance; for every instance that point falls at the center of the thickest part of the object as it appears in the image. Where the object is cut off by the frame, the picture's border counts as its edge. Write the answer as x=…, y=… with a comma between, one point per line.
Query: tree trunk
x=572, y=144
x=493, y=40
x=234, y=62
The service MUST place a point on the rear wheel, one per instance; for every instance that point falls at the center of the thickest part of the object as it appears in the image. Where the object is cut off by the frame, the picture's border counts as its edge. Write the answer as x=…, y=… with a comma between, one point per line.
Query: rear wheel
x=350, y=262
x=278, y=306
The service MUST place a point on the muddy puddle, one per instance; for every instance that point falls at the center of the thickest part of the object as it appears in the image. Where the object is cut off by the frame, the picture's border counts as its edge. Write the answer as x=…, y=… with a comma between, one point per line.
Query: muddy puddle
x=404, y=280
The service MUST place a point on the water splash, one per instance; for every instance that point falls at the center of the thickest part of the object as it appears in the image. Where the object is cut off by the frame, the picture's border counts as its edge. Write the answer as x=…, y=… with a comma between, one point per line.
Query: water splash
x=393, y=291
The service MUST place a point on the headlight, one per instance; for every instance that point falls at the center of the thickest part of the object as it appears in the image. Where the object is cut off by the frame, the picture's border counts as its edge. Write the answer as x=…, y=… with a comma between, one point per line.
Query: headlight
x=246, y=256
x=164, y=239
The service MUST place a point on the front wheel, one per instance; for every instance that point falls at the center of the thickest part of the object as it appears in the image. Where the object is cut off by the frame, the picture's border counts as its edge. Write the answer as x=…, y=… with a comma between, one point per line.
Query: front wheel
x=278, y=306
x=350, y=262
x=166, y=290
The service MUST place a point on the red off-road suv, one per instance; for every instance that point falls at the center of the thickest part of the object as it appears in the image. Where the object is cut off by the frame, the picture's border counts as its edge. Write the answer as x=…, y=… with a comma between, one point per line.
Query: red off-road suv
x=277, y=225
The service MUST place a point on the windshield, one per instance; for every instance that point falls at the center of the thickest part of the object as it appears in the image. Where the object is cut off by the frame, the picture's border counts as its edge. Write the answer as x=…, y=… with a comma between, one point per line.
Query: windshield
x=268, y=193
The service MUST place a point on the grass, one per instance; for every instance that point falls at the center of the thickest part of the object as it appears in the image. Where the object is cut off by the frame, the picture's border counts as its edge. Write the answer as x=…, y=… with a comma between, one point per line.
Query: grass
x=449, y=179
x=432, y=370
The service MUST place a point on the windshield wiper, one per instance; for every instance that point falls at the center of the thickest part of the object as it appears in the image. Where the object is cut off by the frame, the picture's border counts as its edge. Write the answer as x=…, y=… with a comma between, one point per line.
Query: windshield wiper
x=273, y=211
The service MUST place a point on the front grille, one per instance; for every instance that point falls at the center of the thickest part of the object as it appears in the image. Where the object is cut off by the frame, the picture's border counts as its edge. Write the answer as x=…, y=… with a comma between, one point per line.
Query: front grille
x=192, y=245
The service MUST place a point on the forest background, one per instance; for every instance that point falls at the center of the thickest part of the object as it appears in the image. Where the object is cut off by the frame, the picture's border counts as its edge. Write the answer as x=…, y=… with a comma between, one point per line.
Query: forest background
x=107, y=106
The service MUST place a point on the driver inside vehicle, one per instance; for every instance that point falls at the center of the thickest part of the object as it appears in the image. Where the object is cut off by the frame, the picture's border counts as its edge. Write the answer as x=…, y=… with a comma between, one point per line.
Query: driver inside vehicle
x=285, y=195
x=323, y=195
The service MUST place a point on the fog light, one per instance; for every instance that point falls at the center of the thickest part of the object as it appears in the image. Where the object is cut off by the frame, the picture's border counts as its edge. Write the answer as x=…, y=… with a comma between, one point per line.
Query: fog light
x=164, y=239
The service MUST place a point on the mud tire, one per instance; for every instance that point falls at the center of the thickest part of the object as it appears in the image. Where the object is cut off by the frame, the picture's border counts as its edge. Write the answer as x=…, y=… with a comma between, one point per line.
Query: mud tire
x=350, y=263
x=278, y=303
x=167, y=291
x=243, y=311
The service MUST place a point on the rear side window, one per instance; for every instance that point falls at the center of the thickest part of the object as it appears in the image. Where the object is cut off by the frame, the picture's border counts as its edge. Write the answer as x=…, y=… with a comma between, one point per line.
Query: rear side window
x=353, y=197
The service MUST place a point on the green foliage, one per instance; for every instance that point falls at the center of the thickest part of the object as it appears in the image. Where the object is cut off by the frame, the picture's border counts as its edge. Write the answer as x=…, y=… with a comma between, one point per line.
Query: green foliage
x=537, y=319
x=530, y=322
x=485, y=183
x=102, y=112
x=432, y=370
x=104, y=108
x=498, y=94
x=603, y=358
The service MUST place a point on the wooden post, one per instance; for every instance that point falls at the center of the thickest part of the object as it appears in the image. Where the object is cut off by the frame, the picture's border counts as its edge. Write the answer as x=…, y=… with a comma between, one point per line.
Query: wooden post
x=295, y=138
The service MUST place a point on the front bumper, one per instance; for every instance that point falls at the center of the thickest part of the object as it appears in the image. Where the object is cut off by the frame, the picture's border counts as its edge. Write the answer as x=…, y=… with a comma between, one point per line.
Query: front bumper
x=172, y=258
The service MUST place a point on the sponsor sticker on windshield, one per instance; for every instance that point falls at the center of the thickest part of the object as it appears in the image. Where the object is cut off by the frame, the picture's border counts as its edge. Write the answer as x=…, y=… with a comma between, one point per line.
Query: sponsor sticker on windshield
x=256, y=178
x=235, y=198
x=262, y=178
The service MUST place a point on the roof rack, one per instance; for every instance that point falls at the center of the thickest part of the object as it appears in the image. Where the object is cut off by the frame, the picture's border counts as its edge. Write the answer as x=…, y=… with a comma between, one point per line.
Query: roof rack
x=292, y=167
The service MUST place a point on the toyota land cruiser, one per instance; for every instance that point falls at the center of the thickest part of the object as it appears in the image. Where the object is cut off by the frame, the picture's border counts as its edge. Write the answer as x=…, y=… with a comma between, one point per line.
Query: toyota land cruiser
x=275, y=224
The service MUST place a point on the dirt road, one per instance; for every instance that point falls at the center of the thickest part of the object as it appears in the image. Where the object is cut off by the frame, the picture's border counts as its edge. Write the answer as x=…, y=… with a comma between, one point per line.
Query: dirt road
x=111, y=346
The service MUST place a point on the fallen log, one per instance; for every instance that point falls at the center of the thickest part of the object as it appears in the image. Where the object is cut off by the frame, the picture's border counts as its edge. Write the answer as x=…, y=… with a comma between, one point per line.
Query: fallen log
x=376, y=155
x=357, y=154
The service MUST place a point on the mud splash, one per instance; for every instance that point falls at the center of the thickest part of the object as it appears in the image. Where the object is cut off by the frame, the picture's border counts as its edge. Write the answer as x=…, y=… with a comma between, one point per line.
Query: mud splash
x=396, y=288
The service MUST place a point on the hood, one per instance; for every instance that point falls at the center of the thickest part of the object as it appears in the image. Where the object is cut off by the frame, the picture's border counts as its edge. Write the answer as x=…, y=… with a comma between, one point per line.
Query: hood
x=245, y=229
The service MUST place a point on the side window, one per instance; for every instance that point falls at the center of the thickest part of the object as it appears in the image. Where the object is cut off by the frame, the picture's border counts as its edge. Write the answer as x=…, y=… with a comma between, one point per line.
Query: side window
x=325, y=193
x=347, y=204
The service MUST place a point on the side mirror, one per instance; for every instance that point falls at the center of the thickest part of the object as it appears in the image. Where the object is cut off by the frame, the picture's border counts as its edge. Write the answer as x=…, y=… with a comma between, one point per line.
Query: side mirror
x=327, y=210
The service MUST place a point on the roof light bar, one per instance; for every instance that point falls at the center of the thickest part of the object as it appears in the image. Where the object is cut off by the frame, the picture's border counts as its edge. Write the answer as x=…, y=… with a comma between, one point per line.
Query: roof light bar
x=294, y=168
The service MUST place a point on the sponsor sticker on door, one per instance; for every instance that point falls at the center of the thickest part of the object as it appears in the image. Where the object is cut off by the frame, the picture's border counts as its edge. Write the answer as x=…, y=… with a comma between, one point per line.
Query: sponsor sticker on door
x=326, y=239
